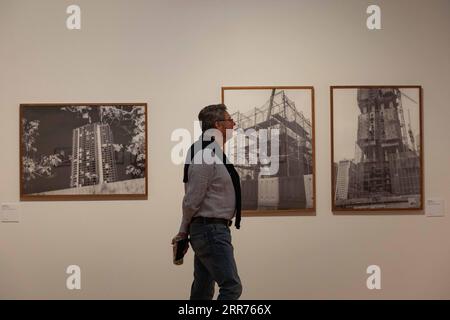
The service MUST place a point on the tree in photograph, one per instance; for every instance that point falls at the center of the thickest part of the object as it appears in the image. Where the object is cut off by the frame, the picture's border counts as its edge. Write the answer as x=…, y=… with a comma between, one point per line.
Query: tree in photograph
x=35, y=165
x=111, y=114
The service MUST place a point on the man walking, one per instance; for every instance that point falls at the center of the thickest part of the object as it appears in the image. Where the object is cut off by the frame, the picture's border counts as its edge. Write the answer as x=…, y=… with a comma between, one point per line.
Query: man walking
x=212, y=198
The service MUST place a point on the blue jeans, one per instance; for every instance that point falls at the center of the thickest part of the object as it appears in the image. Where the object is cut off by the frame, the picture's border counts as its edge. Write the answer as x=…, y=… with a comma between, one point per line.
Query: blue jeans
x=213, y=262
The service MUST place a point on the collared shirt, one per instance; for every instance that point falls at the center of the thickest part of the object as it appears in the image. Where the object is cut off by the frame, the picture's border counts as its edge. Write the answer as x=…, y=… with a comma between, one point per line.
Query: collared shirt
x=209, y=191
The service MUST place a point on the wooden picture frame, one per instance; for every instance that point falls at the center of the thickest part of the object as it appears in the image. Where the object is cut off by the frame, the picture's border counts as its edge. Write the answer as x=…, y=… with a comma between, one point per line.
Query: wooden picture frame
x=291, y=190
x=384, y=172
x=68, y=151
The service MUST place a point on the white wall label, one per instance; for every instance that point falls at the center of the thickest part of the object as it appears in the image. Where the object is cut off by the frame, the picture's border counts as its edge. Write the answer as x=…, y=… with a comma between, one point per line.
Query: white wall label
x=374, y=280
x=435, y=208
x=74, y=280
x=73, y=22
x=374, y=20
x=10, y=212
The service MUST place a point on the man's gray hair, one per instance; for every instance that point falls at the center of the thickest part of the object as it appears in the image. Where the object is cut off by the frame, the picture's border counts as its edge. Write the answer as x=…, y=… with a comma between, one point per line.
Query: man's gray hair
x=210, y=114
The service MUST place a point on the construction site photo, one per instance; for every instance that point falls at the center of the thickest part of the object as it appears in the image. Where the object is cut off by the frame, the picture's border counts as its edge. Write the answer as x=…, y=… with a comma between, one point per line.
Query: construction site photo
x=277, y=166
x=377, y=148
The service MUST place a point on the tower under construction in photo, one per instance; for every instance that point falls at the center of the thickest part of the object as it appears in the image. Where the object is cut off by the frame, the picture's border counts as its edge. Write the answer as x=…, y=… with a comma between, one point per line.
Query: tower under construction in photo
x=386, y=168
x=291, y=187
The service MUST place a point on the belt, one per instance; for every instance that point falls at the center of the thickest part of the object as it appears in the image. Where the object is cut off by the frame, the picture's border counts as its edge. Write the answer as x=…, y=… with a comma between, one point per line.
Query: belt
x=206, y=220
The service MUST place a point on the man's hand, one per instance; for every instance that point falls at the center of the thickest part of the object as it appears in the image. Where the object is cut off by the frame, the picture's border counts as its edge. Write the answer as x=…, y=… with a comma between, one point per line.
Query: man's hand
x=180, y=235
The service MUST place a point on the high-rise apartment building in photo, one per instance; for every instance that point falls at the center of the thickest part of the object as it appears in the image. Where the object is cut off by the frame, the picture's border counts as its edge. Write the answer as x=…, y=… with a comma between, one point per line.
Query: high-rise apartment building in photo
x=92, y=155
x=345, y=180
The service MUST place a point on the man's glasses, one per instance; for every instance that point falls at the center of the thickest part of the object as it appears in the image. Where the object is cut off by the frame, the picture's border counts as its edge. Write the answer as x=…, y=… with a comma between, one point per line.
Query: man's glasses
x=226, y=120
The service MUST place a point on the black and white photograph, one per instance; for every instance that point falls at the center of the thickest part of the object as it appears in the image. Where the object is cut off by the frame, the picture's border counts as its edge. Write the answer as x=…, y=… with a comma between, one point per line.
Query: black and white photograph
x=83, y=151
x=273, y=148
x=376, y=148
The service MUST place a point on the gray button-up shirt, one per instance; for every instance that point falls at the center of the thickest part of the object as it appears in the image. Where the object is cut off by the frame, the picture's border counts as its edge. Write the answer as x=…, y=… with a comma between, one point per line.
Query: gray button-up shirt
x=209, y=191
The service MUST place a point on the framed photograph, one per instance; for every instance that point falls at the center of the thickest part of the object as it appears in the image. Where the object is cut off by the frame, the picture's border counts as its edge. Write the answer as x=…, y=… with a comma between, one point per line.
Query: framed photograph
x=85, y=151
x=376, y=148
x=273, y=148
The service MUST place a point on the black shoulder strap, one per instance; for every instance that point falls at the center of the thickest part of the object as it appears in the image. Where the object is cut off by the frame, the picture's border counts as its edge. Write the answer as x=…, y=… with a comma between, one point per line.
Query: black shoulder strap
x=237, y=189
x=195, y=147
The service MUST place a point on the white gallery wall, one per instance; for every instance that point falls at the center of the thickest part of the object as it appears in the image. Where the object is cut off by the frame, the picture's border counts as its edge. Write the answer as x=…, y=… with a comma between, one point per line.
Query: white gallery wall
x=175, y=55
